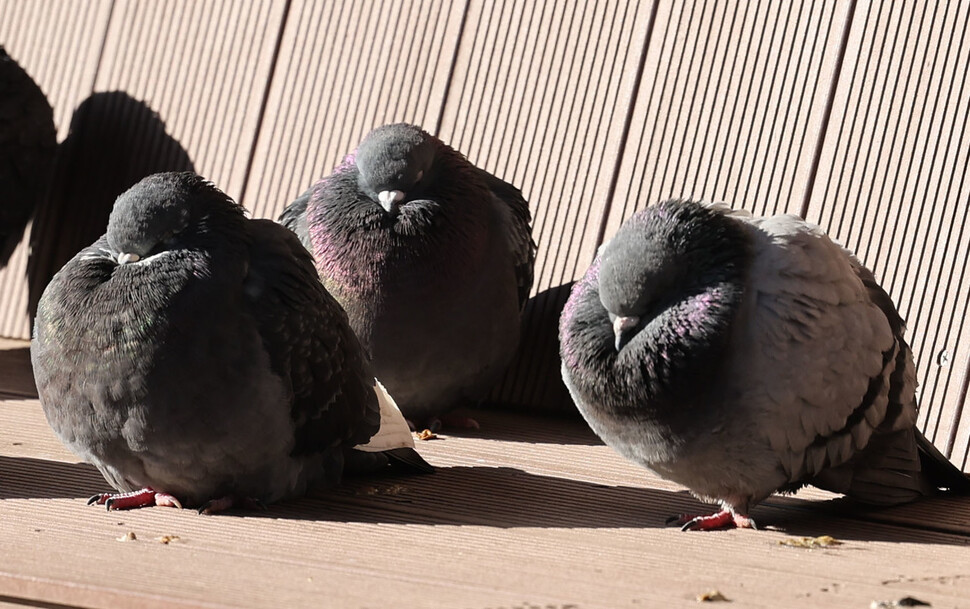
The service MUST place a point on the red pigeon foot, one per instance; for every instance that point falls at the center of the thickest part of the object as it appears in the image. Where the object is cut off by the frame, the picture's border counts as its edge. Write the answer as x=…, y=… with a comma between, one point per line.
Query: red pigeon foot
x=725, y=519
x=146, y=497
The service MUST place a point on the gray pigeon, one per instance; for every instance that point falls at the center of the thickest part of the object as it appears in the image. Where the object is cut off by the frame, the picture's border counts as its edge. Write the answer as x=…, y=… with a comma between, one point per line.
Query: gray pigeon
x=194, y=357
x=431, y=257
x=739, y=356
x=28, y=142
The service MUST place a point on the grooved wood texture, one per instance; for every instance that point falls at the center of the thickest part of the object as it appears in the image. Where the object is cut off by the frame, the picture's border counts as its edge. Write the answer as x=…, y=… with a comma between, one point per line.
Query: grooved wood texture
x=345, y=68
x=892, y=186
x=533, y=513
x=204, y=67
x=731, y=105
x=852, y=112
x=539, y=98
x=60, y=50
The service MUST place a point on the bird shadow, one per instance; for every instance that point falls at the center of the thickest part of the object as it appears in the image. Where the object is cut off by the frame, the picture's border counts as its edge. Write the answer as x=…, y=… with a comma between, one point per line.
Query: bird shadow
x=32, y=478
x=533, y=382
x=513, y=427
x=507, y=498
x=502, y=497
x=18, y=377
x=114, y=141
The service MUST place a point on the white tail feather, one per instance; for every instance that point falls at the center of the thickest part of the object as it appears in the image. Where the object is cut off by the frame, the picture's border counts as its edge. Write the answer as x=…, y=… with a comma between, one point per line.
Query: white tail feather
x=394, y=431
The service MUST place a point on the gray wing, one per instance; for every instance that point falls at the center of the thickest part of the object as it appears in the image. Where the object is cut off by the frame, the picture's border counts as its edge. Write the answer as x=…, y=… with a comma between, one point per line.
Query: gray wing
x=27, y=145
x=310, y=343
x=515, y=210
x=834, y=380
x=294, y=218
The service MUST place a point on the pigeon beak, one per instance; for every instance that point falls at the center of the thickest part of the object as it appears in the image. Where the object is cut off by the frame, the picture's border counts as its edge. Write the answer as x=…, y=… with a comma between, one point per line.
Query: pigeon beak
x=623, y=330
x=389, y=199
x=124, y=258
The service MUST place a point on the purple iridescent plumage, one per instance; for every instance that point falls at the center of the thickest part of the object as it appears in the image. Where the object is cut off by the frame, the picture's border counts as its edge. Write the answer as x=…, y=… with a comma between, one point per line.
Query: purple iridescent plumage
x=431, y=257
x=740, y=356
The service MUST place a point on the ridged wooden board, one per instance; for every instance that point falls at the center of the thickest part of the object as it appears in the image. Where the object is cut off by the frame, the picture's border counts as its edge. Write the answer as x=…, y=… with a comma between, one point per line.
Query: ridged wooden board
x=536, y=513
x=539, y=97
x=204, y=67
x=892, y=185
x=343, y=69
x=731, y=106
x=179, y=85
x=59, y=49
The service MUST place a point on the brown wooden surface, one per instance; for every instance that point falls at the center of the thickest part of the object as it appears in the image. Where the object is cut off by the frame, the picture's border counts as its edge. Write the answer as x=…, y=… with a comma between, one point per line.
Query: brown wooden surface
x=528, y=512
x=851, y=112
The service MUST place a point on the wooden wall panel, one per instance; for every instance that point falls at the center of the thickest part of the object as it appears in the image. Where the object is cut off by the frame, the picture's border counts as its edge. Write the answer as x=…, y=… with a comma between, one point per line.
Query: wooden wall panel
x=180, y=85
x=732, y=105
x=892, y=186
x=345, y=68
x=539, y=97
x=204, y=66
x=59, y=49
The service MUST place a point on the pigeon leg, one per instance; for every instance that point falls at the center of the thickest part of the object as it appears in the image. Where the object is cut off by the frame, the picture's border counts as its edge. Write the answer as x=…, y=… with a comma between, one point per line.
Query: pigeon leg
x=724, y=519
x=135, y=499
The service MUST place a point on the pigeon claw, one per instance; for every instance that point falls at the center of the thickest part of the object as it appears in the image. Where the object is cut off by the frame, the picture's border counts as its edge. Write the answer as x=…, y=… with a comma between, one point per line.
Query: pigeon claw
x=135, y=499
x=724, y=519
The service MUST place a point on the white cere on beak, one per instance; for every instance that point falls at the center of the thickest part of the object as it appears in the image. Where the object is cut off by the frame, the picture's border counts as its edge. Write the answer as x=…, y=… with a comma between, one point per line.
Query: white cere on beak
x=621, y=329
x=124, y=258
x=388, y=198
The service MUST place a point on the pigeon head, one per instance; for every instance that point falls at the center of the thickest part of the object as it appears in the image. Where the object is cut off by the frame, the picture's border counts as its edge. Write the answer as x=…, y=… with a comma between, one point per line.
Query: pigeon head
x=162, y=212
x=664, y=257
x=394, y=161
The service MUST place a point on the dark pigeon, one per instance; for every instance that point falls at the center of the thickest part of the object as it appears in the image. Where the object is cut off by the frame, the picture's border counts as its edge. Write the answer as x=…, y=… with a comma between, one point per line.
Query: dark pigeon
x=739, y=356
x=194, y=357
x=28, y=143
x=431, y=257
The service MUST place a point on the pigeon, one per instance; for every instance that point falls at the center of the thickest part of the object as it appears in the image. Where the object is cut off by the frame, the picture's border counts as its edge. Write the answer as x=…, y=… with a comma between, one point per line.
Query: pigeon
x=740, y=356
x=433, y=260
x=28, y=143
x=193, y=356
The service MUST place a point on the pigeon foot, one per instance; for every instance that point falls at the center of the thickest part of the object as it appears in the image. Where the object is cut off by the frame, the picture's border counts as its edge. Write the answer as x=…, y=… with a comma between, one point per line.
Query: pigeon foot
x=725, y=519
x=145, y=497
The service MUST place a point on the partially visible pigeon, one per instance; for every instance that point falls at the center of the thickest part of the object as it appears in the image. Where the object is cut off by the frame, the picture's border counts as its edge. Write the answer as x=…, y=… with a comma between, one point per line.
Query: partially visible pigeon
x=431, y=257
x=739, y=356
x=194, y=357
x=28, y=142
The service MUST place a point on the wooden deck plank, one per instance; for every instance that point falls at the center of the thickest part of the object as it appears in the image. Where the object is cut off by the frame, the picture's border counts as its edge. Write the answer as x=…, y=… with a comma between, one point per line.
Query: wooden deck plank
x=528, y=512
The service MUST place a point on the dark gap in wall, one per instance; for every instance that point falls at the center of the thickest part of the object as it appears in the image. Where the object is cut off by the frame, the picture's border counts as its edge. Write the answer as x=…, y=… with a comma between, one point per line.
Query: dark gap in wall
x=268, y=87
x=830, y=100
x=627, y=122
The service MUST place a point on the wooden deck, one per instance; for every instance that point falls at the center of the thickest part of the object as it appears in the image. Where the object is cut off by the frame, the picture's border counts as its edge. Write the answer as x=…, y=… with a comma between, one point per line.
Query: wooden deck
x=527, y=513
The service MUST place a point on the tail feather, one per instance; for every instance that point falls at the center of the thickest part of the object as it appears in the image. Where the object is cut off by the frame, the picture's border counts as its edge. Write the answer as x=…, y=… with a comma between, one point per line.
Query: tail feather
x=394, y=440
x=939, y=470
x=895, y=468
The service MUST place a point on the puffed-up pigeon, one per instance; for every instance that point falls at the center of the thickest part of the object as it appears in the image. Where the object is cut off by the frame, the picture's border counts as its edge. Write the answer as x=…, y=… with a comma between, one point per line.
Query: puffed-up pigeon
x=741, y=355
x=28, y=143
x=431, y=257
x=193, y=356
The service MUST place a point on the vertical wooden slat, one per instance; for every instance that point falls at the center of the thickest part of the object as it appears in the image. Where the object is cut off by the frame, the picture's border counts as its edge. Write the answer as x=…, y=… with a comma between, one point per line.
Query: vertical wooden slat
x=60, y=51
x=731, y=105
x=539, y=97
x=180, y=85
x=345, y=68
x=892, y=186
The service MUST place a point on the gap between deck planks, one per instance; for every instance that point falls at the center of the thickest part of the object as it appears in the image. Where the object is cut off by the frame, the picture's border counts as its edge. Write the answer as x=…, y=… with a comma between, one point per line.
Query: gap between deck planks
x=528, y=512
